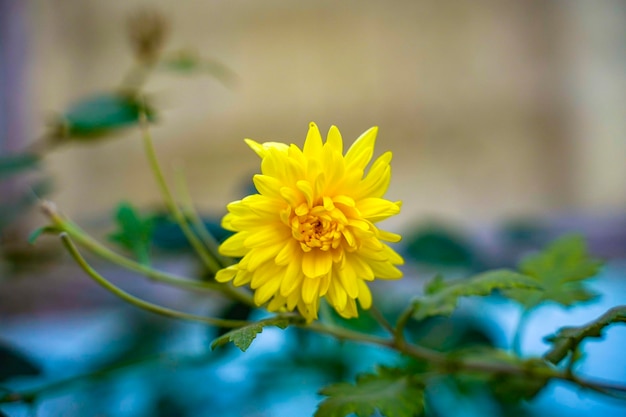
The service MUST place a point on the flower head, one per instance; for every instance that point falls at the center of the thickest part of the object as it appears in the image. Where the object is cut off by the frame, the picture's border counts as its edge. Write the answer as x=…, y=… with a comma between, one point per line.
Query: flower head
x=310, y=231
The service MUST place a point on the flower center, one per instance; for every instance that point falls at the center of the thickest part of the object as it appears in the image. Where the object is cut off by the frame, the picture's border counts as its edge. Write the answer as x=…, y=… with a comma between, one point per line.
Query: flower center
x=317, y=227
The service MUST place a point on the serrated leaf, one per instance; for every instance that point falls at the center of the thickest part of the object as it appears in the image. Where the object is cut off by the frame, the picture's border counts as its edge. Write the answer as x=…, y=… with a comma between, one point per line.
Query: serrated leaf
x=391, y=392
x=441, y=297
x=134, y=232
x=101, y=114
x=567, y=339
x=243, y=337
x=14, y=164
x=14, y=364
x=561, y=270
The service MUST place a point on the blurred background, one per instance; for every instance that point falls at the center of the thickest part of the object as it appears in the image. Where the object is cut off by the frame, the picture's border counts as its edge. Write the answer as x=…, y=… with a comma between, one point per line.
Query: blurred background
x=506, y=120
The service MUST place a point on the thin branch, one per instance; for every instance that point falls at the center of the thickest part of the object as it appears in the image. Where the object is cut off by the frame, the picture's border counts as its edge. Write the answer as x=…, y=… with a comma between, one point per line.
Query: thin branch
x=82, y=238
x=190, y=212
x=211, y=263
x=384, y=323
x=138, y=302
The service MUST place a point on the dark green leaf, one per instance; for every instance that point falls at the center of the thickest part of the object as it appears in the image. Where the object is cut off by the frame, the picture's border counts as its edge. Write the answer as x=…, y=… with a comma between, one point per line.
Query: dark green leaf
x=15, y=364
x=134, y=232
x=441, y=297
x=243, y=336
x=389, y=391
x=441, y=246
x=560, y=270
x=507, y=387
x=101, y=114
x=567, y=339
x=13, y=164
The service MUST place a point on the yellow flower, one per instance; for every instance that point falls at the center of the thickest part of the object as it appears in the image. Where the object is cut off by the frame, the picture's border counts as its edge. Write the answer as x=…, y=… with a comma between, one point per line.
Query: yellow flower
x=309, y=232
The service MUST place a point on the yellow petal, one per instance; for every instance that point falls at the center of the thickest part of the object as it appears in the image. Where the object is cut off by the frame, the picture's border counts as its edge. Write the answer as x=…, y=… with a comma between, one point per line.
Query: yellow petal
x=347, y=278
x=385, y=270
x=243, y=277
x=337, y=295
x=376, y=182
x=310, y=289
x=267, y=186
x=388, y=236
x=307, y=190
x=226, y=274
x=333, y=139
x=292, y=279
x=262, y=149
x=233, y=246
x=362, y=149
x=361, y=268
x=392, y=256
x=265, y=292
x=267, y=236
x=316, y=263
x=365, y=296
x=350, y=311
x=376, y=209
x=288, y=252
x=313, y=143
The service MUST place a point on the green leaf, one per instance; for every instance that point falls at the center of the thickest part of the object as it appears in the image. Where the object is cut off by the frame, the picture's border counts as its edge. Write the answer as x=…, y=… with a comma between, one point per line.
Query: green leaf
x=390, y=391
x=242, y=337
x=567, y=339
x=15, y=364
x=13, y=164
x=441, y=246
x=505, y=386
x=187, y=62
x=99, y=115
x=134, y=232
x=32, y=238
x=561, y=270
x=441, y=297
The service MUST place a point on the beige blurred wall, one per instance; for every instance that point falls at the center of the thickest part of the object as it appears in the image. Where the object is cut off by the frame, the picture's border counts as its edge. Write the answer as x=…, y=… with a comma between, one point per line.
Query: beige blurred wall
x=493, y=109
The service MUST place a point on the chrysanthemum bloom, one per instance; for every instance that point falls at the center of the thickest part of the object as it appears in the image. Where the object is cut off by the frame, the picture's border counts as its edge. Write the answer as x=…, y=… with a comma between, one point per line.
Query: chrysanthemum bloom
x=309, y=232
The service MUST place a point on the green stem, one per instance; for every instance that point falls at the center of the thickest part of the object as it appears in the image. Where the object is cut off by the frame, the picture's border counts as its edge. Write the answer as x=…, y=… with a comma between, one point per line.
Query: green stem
x=136, y=77
x=138, y=302
x=190, y=212
x=81, y=237
x=403, y=320
x=447, y=365
x=382, y=321
x=209, y=261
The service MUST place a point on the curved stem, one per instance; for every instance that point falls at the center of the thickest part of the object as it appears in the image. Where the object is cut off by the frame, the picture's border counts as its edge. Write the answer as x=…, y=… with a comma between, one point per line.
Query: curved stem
x=97, y=248
x=384, y=323
x=190, y=212
x=403, y=320
x=138, y=302
x=209, y=261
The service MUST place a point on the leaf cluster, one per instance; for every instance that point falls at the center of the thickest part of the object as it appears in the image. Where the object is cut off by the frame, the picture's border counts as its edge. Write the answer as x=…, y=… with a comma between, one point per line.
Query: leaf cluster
x=561, y=270
x=390, y=391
